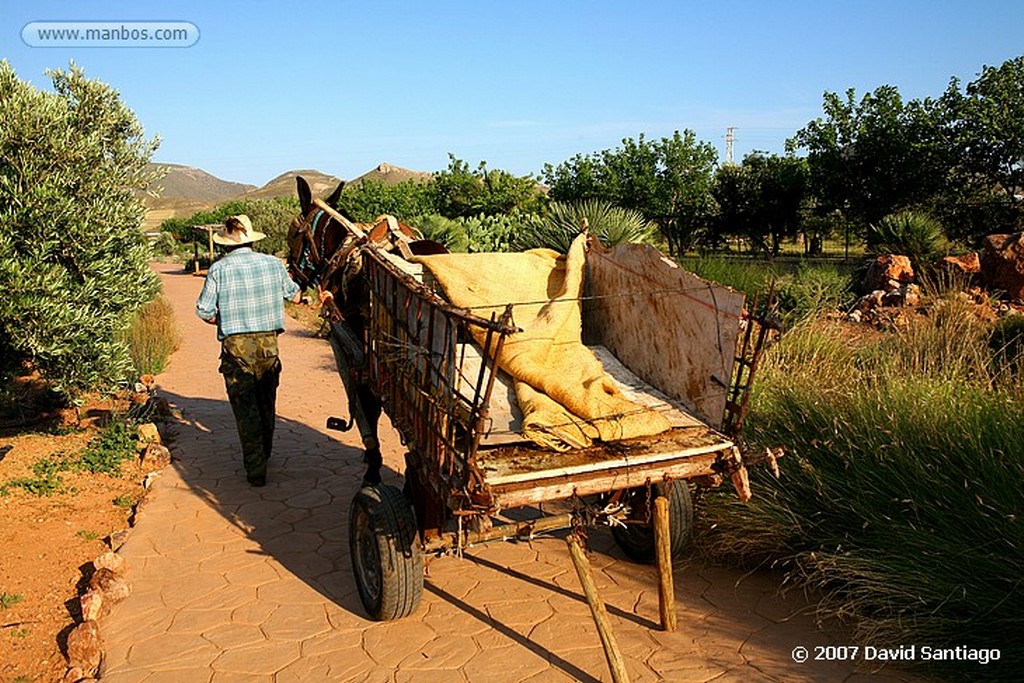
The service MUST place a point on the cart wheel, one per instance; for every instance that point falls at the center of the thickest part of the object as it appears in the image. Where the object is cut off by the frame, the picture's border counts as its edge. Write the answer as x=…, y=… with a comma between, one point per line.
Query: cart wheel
x=636, y=539
x=385, y=548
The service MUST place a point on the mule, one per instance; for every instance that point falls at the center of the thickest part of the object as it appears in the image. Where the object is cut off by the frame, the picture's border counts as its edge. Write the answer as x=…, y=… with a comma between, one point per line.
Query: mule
x=325, y=251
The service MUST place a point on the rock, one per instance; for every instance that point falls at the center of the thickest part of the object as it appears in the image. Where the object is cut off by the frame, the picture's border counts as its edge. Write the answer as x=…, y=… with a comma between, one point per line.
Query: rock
x=111, y=561
x=118, y=538
x=968, y=264
x=85, y=648
x=93, y=606
x=114, y=586
x=147, y=483
x=893, y=298
x=888, y=273
x=148, y=433
x=911, y=295
x=1002, y=264
x=155, y=457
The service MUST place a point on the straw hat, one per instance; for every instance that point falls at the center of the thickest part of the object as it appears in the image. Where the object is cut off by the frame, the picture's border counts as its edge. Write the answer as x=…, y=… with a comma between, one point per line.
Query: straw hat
x=237, y=231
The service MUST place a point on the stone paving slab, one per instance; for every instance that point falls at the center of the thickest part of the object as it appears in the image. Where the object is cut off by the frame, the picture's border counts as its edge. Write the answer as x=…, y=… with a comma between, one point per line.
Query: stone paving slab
x=233, y=583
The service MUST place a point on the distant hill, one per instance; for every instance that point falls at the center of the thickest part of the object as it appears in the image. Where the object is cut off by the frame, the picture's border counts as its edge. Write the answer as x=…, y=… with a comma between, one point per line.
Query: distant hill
x=392, y=175
x=283, y=185
x=185, y=190
x=195, y=185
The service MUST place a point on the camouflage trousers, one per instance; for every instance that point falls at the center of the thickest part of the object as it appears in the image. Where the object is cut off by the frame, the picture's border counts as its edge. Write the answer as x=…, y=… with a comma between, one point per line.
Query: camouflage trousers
x=252, y=371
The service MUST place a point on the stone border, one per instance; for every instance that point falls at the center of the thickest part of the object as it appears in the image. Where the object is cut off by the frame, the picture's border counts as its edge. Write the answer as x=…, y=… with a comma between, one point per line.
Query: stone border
x=109, y=583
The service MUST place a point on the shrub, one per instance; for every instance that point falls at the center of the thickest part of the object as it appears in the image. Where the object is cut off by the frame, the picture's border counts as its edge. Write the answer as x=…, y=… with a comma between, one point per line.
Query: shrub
x=811, y=290
x=152, y=337
x=166, y=244
x=269, y=216
x=73, y=259
x=496, y=232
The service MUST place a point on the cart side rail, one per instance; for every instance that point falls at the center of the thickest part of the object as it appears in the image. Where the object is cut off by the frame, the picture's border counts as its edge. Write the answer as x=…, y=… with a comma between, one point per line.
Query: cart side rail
x=416, y=370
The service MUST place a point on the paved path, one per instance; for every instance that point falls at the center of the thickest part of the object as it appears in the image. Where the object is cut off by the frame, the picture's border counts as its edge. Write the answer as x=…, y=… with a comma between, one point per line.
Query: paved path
x=233, y=583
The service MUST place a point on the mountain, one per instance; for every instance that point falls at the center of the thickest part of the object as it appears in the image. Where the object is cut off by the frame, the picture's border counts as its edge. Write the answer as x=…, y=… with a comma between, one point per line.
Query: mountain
x=183, y=190
x=195, y=185
x=283, y=185
x=392, y=175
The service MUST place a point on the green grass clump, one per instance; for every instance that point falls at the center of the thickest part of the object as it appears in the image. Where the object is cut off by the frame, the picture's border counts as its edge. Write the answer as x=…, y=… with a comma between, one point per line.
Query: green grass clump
x=900, y=497
x=105, y=453
x=108, y=451
x=811, y=290
x=8, y=600
x=152, y=337
x=808, y=290
x=745, y=275
x=46, y=477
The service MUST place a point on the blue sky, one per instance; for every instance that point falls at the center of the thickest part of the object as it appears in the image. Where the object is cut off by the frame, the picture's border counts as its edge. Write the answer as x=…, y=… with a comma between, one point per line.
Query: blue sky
x=343, y=86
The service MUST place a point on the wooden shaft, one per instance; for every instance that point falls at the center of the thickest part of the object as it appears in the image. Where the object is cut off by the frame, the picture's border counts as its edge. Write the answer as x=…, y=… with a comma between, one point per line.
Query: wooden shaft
x=604, y=628
x=663, y=552
x=333, y=213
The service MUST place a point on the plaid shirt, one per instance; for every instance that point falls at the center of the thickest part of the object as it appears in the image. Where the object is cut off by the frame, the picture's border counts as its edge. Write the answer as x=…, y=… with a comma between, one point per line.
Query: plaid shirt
x=246, y=291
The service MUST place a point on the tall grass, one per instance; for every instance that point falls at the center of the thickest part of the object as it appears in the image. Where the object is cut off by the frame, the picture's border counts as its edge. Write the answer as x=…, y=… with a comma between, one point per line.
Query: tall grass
x=152, y=336
x=900, y=496
x=807, y=290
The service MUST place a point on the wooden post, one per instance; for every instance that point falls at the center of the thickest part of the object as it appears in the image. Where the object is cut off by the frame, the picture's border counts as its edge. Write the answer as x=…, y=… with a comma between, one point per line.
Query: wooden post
x=663, y=552
x=597, y=609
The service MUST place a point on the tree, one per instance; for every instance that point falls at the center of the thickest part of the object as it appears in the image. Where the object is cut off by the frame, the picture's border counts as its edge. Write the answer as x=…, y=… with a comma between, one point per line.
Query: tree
x=986, y=193
x=761, y=199
x=73, y=260
x=370, y=198
x=668, y=181
x=460, y=192
x=872, y=157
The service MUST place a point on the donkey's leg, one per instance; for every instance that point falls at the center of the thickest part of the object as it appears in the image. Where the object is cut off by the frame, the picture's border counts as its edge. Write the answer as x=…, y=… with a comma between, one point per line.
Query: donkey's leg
x=364, y=408
x=369, y=409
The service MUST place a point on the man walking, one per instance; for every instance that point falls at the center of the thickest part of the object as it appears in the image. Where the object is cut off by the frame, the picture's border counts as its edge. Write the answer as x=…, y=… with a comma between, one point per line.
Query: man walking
x=244, y=297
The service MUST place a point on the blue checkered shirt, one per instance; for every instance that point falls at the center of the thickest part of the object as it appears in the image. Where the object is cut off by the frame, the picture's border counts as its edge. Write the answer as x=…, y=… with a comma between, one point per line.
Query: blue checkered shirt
x=246, y=291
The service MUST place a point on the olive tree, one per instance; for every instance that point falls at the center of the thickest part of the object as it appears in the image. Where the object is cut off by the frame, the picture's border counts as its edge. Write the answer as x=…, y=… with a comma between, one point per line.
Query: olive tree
x=73, y=260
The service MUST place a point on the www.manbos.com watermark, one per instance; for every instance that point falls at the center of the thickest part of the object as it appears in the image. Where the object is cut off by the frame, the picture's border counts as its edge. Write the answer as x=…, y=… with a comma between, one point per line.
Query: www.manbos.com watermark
x=110, y=34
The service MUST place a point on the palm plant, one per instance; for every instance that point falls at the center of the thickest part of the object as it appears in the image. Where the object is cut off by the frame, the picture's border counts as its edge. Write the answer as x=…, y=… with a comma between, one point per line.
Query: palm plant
x=911, y=233
x=609, y=223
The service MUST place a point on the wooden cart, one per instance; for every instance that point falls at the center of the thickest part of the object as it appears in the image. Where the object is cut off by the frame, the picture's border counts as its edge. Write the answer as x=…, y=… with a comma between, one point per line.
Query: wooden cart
x=668, y=337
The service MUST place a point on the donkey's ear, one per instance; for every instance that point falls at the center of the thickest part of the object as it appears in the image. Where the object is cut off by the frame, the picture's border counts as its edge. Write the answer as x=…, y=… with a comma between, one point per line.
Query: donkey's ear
x=336, y=195
x=305, y=194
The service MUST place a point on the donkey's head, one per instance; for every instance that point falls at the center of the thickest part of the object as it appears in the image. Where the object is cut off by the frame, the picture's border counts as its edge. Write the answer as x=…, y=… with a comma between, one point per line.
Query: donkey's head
x=314, y=235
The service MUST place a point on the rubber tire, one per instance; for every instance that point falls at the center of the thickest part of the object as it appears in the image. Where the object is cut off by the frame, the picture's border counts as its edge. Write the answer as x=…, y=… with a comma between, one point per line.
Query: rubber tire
x=637, y=539
x=386, y=559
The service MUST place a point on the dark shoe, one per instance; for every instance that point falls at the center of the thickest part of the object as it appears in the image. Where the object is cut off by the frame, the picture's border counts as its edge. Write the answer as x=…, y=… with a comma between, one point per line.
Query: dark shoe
x=257, y=480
